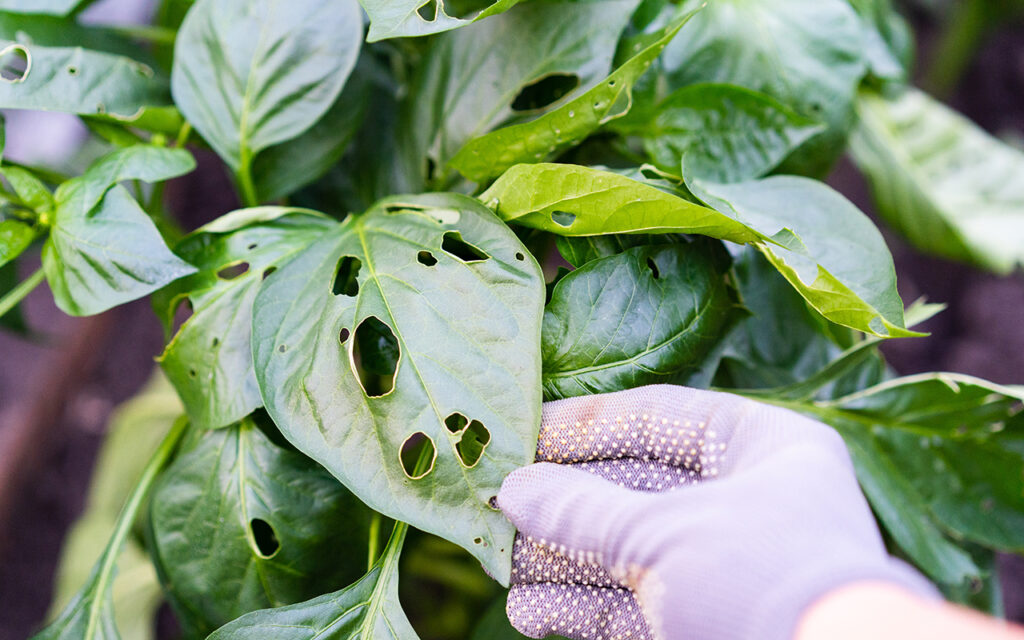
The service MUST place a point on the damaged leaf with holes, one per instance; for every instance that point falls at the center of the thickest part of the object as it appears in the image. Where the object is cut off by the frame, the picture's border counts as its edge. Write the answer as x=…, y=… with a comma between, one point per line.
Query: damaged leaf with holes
x=209, y=358
x=240, y=522
x=368, y=341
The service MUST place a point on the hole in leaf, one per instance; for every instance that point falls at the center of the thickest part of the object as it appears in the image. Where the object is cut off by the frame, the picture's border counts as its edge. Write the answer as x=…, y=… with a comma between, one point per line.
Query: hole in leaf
x=182, y=312
x=264, y=537
x=375, y=355
x=456, y=422
x=563, y=218
x=477, y=540
x=15, y=63
x=428, y=11
x=418, y=455
x=456, y=246
x=346, y=281
x=72, y=70
x=343, y=336
x=474, y=440
x=268, y=271
x=426, y=258
x=252, y=246
x=492, y=502
x=232, y=271
x=429, y=168
x=653, y=267
x=216, y=343
x=545, y=91
x=192, y=373
x=520, y=256
x=283, y=348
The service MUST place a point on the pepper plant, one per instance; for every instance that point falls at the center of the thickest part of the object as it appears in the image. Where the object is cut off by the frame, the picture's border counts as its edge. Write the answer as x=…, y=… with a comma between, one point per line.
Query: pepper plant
x=451, y=212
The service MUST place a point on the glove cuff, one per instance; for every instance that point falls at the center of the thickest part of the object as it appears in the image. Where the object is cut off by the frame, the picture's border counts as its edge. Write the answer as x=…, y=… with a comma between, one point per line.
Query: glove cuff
x=776, y=616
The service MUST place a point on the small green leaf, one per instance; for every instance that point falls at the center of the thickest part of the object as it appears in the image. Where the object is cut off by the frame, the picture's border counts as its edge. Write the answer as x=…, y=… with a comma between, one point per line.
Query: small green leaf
x=240, y=523
x=15, y=237
x=209, y=360
x=406, y=18
x=491, y=154
x=502, y=59
x=808, y=54
x=662, y=310
x=366, y=610
x=724, y=133
x=32, y=192
x=246, y=82
x=90, y=613
x=103, y=249
x=950, y=188
x=827, y=249
x=461, y=300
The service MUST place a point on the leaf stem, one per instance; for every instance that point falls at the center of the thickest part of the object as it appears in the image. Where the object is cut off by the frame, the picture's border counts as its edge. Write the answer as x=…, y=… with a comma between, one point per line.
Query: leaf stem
x=957, y=46
x=245, y=184
x=183, y=134
x=18, y=293
x=149, y=33
x=374, y=540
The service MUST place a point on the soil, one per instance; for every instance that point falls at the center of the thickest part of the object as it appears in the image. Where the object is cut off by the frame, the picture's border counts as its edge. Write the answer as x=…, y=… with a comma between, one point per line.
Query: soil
x=67, y=381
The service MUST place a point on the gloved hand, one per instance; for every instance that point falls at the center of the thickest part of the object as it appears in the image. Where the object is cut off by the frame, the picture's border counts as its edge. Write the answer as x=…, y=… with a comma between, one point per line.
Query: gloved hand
x=667, y=512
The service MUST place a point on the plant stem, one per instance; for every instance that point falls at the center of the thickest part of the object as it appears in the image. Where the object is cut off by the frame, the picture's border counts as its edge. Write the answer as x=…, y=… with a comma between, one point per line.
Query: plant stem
x=963, y=33
x=183, y=134
x=245, y=184
x=374, y=540
x=18, y=293
x=149, y=33
x=105, y=568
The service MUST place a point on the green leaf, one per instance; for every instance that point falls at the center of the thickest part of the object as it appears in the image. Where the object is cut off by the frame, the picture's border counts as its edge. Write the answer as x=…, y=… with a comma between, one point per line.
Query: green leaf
x=103, y=249
x=405, y=18
x=245, y=80
x=888, y=41
x=462, y=299
x=240, y=523
x=824, y=246
x=933, y=456
x=134, y=433
x=580, y=250
x=15, y=237
x=32, y=192
x=950, y=188
x=90, y=615
x=808, y=54
x=470, y=78
x=552, y=133
x=724, y=133
x=283, y=168
x=662, y=310
x=366, y=610
x=78, y=80
x=209, y=360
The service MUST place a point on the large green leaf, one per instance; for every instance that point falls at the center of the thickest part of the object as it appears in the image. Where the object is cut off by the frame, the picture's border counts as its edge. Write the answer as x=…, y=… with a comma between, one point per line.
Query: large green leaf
x=283, y=168
x=462, y=301
x=650, y=314
x=809, y=54
x=470, y=78
x=366, y=610
x=103, y=249
x=933, y=456
x=824, y=246
x=491, y=154
x=724, y=132
x=209, y=360
x=405, y=18
x=249, y=74
x=949, y=187
x=56, y=75
x=90, y=613
x=133, y=435
x=240, y=523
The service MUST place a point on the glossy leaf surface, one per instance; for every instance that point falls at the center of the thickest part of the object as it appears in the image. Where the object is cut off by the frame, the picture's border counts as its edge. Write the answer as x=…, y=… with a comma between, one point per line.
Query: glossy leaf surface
x=251, y=74
x=240, y=523
x=649, y=315
x=948, y=186
x=847, y=275
x=366, y=610
x=462, y=300
x=491, y=154
x=499, y=58
x=209, y=360
x=406, y=18
x=103, y=249
x=724, y=133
